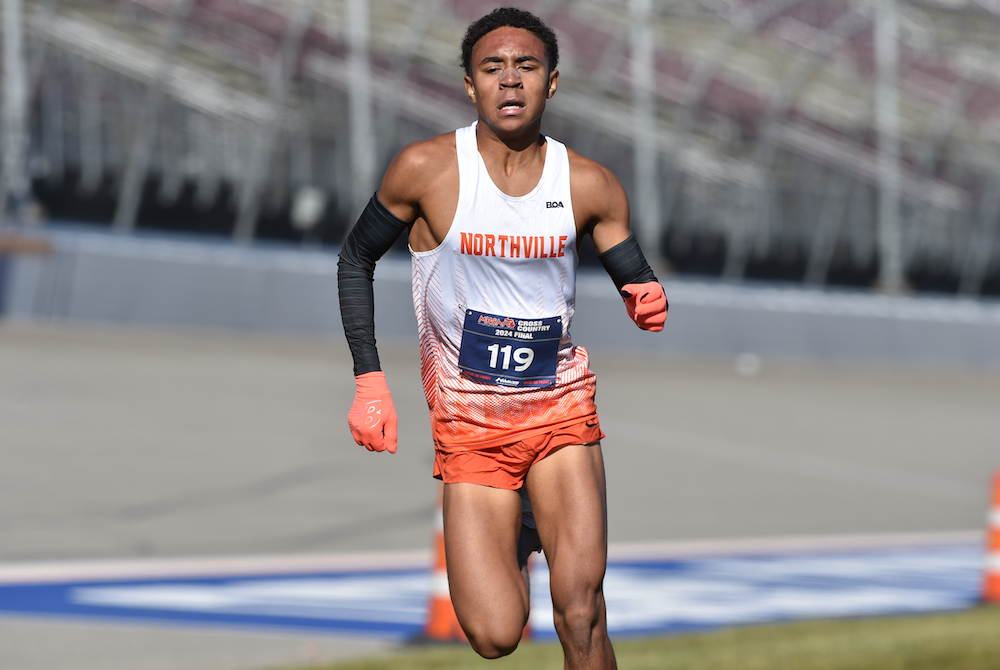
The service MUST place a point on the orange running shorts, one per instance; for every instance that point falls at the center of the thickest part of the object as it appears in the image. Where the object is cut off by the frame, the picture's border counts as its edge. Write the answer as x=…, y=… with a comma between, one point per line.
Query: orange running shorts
x=504, y=467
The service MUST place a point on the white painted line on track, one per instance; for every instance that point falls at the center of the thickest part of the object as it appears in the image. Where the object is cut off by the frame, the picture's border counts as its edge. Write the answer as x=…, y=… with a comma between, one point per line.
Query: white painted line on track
x=166, y=568
x=40, y=572
x=787, y=545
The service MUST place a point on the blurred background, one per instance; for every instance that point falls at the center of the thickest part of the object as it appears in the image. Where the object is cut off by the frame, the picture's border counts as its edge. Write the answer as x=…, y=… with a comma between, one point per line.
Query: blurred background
x=842, y=142
x=816, y=182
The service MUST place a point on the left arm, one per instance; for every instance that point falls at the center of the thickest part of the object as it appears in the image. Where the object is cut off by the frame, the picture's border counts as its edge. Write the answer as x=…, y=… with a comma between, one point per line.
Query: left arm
x=601, y=208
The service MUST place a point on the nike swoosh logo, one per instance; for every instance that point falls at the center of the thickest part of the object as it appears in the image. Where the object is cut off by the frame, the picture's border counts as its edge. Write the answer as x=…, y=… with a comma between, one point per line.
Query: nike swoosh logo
x=591, y=425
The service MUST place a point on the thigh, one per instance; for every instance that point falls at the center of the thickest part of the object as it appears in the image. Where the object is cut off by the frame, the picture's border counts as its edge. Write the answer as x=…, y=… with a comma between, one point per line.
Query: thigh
x=567, y=492
x=481, y=527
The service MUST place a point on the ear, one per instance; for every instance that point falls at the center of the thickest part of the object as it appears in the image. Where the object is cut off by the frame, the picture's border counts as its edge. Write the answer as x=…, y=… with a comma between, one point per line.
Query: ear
x=470, y=89
x=553, y=83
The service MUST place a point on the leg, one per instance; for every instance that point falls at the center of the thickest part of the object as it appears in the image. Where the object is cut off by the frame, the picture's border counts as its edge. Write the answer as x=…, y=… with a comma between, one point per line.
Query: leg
x=528, y=542
x=481, y=527
x=568, y=496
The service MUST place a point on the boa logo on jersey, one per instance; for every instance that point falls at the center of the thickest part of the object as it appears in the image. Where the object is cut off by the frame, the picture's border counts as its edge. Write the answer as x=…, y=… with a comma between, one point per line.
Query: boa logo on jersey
x=496, y=322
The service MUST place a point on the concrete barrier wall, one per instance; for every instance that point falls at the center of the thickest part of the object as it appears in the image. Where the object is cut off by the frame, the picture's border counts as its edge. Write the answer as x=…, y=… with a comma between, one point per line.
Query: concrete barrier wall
x=189, y=283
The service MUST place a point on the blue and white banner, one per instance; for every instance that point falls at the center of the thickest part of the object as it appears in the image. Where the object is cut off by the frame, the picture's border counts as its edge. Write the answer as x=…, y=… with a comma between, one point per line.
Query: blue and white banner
x=644, y=595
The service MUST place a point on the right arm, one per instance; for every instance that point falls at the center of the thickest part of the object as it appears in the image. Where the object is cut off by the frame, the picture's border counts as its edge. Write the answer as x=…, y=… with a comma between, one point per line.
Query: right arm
x=391, y=210
x=372, y=417
x=410, y=180
x=372, y=236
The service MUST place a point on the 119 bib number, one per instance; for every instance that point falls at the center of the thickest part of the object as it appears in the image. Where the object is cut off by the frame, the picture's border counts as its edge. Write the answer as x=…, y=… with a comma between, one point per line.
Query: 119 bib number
x=523, y=357
x=508, y=351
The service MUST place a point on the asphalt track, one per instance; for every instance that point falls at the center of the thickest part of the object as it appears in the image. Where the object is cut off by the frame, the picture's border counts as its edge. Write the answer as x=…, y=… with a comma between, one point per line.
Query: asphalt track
x=121, y=444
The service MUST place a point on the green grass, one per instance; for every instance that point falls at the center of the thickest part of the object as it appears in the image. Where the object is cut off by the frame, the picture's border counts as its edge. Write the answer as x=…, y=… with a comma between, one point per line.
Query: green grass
x=968, y=640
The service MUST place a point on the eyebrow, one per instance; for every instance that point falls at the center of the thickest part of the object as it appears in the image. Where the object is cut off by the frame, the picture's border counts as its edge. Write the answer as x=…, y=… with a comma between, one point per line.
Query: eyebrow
x=519, y=59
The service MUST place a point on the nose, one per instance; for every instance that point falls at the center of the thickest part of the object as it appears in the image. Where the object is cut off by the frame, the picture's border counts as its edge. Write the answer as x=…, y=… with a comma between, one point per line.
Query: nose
x=510, y=78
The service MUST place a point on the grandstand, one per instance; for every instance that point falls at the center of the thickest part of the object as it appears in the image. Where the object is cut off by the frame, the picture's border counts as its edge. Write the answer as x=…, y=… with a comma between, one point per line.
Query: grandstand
x=778, y=139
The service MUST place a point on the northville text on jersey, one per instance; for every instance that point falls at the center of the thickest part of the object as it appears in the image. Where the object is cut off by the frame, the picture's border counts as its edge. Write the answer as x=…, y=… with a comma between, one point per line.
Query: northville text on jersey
x=514, y=246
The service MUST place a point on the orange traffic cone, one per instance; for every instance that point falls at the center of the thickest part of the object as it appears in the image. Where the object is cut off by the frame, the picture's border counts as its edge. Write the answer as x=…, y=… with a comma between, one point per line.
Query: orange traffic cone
x=991, y=581
x=442, y=623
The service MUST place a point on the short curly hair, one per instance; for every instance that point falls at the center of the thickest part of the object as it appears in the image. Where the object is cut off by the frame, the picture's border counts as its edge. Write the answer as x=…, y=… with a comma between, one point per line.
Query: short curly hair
x=515, y=18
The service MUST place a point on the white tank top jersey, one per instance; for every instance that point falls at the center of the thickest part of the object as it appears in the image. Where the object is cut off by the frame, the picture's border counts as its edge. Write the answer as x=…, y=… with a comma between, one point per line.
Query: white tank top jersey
x=494, y=302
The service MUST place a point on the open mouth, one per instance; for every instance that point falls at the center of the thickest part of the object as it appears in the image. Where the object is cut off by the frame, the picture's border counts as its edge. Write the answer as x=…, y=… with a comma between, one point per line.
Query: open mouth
x=511, y=105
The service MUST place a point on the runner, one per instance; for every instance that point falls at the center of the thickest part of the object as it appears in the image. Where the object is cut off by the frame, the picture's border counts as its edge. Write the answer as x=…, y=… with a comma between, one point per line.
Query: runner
x=495, y=214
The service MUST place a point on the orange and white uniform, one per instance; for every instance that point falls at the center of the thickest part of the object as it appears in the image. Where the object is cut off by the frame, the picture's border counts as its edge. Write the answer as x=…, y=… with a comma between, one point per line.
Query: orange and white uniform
x=494, y=303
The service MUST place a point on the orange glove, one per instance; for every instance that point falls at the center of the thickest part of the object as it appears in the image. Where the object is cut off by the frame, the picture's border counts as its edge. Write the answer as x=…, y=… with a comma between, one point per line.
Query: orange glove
x=373, y=416
x=646, y=305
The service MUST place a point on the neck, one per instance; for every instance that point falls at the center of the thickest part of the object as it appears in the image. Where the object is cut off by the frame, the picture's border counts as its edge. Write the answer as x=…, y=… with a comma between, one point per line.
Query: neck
x=522, y=145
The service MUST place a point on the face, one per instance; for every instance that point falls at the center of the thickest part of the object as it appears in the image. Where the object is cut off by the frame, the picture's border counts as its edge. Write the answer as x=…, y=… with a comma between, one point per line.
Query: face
x=510, y=79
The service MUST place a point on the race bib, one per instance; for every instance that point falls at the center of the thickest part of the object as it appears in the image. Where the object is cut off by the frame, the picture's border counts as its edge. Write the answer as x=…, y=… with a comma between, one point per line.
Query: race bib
x=506, y=351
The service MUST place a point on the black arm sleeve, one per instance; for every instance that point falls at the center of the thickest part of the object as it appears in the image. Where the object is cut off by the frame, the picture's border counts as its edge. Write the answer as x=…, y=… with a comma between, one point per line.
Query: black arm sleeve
x=626, y=264
x=373, y=235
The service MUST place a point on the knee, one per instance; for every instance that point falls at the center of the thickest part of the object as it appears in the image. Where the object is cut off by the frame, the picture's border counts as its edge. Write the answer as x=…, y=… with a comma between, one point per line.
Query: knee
x=577, y=617
x=494, y=642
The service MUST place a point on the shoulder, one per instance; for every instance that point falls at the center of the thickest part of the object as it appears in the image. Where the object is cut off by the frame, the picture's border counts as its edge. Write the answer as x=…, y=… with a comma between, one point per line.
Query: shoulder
x=586, y=172
x=415, y=171
x=435, y=154
x=419, y=164
x=597, y=193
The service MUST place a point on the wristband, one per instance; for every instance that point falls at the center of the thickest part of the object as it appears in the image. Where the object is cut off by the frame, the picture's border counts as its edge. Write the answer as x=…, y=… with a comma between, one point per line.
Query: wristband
x=626, y=264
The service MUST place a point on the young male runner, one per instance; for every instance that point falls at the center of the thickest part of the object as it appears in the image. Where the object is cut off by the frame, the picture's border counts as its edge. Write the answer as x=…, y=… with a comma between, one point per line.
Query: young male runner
x=495, y=213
